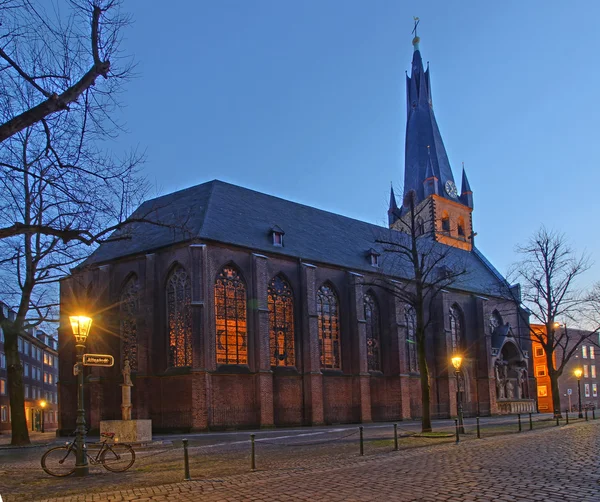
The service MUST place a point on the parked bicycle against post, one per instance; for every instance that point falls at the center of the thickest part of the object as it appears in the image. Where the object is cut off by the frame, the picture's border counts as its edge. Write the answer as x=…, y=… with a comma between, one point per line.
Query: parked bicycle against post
x=116, y=457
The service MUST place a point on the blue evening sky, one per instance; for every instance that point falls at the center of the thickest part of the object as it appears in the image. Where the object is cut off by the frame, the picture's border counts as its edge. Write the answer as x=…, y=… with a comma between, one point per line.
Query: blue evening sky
x=305, y=100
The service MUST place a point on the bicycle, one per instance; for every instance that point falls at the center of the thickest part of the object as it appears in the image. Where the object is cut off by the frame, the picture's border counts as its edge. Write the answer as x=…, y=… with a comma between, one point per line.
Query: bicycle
x=116, y=457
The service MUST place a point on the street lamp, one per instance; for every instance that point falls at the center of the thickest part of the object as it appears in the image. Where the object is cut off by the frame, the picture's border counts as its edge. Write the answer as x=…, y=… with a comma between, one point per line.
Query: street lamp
x=81, y=328
x=578, y=372
x=43, y=406
x=456, y=362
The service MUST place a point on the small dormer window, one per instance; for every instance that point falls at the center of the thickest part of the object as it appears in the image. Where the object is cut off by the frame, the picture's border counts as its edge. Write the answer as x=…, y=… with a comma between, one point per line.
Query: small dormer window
x=373, y=257
x=277, y=234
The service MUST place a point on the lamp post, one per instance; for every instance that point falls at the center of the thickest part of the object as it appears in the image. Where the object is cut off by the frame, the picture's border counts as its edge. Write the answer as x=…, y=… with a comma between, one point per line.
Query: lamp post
x=81, y=328
x=43, y=406
x=578, y=372
x=456, y=362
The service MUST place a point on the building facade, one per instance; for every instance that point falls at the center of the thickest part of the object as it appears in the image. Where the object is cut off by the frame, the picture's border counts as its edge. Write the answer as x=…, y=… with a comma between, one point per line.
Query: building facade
x=39, y=357
x=258, y=311
x=586, y=358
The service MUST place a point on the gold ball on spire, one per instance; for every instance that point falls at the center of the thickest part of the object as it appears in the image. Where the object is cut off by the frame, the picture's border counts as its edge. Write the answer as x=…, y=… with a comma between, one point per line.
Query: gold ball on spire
x=416, y=40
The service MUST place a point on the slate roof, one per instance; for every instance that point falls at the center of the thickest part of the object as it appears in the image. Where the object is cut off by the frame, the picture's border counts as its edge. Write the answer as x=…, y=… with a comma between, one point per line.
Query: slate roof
x=221, y=212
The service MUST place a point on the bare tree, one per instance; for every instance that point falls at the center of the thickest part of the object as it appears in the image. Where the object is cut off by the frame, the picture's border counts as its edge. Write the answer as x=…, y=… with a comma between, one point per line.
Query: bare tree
x=62, y=190
x=548, y=273
x=430, y=268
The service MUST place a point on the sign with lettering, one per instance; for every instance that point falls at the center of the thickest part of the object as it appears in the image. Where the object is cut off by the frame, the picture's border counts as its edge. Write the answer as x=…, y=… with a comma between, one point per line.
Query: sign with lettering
x=98, y=360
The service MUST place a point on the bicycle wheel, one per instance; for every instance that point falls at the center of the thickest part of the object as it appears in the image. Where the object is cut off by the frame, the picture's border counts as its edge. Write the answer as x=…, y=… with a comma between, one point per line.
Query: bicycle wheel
x=59, y=461
x=118, y=457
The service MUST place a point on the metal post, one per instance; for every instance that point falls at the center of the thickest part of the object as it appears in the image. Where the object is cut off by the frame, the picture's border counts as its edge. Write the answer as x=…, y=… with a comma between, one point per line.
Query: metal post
x=43, y=420
x=530, y=423
x=252, y=453
x=594, y=413
x=457, y=430
x=395, y=437
x=81, y=463
x=519, y=418
x=459, y=403
x=579, y=396
x=186, y=461
x=567, y=417
x=478, y=431
x=586, y=416
x=557, y=420
x=362, y=448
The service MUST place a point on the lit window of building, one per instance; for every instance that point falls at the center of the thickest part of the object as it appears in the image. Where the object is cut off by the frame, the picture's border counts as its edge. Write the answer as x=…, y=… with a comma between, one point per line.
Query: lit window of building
x=179, y=318
x=542, y=391
x=4, y=413
x=281, y=322
x=230, y=317
x=585, y=371
x=587, y=390
x=539, y=351
x=329, y=328
x=592, y=355
x=595, y=390
x=2, y=387
x=593, y=371
x=540, y=370
x=584, y=351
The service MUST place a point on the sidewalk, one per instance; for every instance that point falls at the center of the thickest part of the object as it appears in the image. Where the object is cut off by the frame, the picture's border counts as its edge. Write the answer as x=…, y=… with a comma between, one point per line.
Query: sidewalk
x=38, y=439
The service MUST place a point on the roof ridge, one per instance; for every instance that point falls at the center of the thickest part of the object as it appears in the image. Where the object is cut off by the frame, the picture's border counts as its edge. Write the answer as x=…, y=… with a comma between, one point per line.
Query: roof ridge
x=212, y=189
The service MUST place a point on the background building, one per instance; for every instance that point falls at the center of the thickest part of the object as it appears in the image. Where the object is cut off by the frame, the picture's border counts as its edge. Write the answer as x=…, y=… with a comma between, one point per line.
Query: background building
x=39, y=357
x=586, y=358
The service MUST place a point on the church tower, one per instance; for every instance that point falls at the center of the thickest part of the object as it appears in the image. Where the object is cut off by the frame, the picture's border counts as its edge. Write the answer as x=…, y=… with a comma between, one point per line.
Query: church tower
x=442, y=209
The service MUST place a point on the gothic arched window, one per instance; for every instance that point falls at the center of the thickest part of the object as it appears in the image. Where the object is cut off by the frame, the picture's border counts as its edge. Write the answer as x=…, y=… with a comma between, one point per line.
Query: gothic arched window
x=329, y=327
x=373, y=333
x=410, y=317
x=281, y=322
x=420, y=230
x=460, y=227
x=230, y=317
x=456, y=328
x=129, y=304
x=179, y=318
x=495, y=321
x=445, y=221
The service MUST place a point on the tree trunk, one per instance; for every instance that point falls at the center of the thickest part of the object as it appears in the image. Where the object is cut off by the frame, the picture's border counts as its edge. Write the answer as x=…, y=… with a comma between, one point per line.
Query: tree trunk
x=425, y=388
x=555, y=392
x=20, y=434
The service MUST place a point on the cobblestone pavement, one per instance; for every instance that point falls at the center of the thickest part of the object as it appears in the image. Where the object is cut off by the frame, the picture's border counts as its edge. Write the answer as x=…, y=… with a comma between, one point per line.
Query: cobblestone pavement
x=561, y=463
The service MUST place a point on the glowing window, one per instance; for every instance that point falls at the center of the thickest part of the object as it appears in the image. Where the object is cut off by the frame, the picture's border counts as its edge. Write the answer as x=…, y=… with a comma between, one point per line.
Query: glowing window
x=584, y=352
x=373, y=333
x=592, y=354
x=329, y=328
x=281, y=322
x=128, y=322
x=456, y=328
x=593, y=371
x=595, y=390
x=539, y=351
x=540, y=370
x=587, y=390
x=410, y=318
x=179, y=318
x=230, y=314
x=585, y=371
x=542, y=391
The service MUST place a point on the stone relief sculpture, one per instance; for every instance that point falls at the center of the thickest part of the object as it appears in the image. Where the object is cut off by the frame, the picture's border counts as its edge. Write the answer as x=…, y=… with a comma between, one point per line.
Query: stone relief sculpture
x=126, y=391
x=510, y=390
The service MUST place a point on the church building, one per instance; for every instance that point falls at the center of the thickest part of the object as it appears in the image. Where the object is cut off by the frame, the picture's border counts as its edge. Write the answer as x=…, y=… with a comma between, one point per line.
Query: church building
x=241, y=309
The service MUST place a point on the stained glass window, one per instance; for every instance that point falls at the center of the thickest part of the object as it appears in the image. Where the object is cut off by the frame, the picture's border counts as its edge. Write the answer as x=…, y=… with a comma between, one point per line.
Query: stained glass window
x=179, y=317
x=329, y=328
x=128, y=321
x=456, y=328
x=230, y=314
x=373, y=333
x=281, y=322
x=410, y=318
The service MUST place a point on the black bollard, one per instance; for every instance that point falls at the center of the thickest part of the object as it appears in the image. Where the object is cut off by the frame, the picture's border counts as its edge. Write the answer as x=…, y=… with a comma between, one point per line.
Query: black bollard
x=478, y=431
x=457, y=435
x=557, y=420
x=530, y=423
x=519, y=418
x=252, y=454
x=586, y=417
x=395, y=437
x=593, y=413
x=186, y=461
x=362, y=448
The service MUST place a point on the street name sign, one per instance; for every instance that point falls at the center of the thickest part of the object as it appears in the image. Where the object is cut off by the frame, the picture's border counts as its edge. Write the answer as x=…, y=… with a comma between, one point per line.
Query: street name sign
x=98, y=360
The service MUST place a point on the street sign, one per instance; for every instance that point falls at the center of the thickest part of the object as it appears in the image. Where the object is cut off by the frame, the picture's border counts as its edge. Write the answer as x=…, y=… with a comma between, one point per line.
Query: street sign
x=98, y=360
x=569, y=391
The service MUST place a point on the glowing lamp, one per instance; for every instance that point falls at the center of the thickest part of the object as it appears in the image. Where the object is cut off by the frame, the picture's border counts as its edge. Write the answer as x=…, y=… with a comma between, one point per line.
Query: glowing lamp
x=578, y=372
x=81, y=327
x=456, y=362
x=43, y=403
